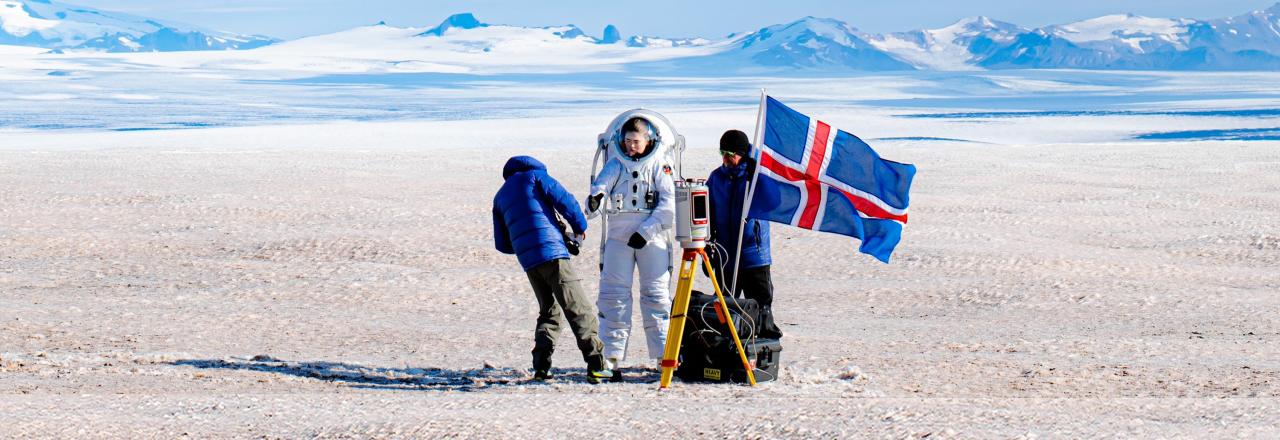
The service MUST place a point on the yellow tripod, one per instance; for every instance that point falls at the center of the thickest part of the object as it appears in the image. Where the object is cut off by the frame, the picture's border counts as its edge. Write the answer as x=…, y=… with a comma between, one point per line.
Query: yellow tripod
x=680, y=307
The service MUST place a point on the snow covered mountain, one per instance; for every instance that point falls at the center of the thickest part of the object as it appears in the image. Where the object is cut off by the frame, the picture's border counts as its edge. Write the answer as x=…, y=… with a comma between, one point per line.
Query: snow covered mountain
x=955, y=47
x=611, y=34
x=1125, y=41
x=1255, y=31
x=1247, y=42
x=644, y=41
x=1109, y=42
x=462, y=43
x=814, y=43
x=809, y=44
x=44, y=23
x=456, y=21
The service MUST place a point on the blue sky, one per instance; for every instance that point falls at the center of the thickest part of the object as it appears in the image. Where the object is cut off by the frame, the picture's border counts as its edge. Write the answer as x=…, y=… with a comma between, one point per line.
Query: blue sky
x=296, y=18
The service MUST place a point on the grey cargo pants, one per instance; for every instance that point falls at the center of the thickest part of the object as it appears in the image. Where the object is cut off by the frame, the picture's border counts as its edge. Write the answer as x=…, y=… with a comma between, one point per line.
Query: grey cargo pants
x=560, y=296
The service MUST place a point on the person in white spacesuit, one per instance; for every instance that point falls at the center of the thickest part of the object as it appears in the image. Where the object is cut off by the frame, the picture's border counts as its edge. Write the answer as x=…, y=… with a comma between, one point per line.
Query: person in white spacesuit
x=639, y=188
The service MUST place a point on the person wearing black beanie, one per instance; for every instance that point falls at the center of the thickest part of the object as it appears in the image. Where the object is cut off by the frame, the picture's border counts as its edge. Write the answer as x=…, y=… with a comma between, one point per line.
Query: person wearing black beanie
x=735, y=141
x=727, y=187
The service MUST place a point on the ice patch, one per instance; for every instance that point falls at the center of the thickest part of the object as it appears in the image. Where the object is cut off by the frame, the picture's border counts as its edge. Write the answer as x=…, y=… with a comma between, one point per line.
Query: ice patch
x=1238, y=113
x=923, y=138
x=1238, y=134
x=132, y=97
x=46, y=97
x=20, y=50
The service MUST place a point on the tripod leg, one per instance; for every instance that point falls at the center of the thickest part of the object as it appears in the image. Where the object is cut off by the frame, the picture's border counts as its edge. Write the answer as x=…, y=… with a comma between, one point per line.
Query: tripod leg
x=733, y=329
x=679, y=308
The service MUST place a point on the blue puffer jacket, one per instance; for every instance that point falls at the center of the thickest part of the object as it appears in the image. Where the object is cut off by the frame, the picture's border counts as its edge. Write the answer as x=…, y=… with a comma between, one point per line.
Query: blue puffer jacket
x=728, y=188
x=523, y=210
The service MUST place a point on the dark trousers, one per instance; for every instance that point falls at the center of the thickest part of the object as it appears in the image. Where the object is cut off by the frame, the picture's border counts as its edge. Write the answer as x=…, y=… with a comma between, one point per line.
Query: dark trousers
x=756, y=283
x=560, y=296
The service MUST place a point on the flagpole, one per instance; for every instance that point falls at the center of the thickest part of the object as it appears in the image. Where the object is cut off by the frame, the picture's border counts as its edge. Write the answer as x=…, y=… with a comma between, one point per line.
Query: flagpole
x=751, y=189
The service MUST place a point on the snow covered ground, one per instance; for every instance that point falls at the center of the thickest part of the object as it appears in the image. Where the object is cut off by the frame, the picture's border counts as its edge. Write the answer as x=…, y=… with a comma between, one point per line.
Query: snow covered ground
x=203, y=250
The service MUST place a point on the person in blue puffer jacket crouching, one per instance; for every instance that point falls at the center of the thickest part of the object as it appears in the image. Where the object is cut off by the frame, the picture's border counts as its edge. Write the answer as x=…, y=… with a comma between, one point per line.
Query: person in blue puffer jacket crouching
x=524, y=224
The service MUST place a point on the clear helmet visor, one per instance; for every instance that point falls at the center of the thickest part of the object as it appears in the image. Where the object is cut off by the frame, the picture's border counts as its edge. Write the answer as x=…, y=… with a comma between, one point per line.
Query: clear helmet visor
x=637, y=138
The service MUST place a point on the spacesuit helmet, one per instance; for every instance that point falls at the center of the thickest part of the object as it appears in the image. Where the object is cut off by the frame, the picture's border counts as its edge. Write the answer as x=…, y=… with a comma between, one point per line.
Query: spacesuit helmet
x=665, y=144
x=638, y=138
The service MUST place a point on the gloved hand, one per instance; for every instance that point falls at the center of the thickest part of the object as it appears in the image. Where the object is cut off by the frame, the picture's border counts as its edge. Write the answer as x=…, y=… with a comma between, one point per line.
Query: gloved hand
x=593, y=204
x=637, y=241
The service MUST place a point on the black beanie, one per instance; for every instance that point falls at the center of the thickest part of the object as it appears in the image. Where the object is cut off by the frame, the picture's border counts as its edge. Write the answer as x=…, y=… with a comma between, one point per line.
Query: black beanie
x=735, y=141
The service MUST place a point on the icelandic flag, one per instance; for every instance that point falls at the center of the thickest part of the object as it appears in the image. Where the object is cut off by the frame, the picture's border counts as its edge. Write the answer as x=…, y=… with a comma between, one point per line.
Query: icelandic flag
x=816, y=177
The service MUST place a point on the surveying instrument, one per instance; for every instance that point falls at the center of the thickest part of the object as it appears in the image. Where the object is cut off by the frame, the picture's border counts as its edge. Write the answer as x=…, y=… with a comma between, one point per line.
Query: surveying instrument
x=693, y=227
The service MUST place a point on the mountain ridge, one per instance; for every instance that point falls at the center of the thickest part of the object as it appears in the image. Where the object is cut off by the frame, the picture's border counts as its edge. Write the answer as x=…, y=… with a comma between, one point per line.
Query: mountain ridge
x=1249, y=41
x=65, y=27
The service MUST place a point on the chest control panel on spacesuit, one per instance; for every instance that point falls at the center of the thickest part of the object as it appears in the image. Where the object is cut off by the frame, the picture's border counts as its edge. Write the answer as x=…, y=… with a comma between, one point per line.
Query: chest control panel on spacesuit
x=635, y=191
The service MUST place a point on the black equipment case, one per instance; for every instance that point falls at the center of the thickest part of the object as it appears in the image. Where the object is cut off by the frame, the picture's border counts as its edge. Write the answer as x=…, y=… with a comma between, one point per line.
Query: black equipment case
x=722, y=364
x=707, y=352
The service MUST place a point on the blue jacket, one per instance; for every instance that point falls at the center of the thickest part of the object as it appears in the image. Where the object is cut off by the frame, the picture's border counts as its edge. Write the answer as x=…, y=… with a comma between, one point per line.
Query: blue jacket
x=523, y=222
x=728, y=188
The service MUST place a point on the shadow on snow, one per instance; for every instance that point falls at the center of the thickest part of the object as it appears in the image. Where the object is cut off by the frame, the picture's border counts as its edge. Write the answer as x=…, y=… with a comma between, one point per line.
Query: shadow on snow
x=426, y=379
